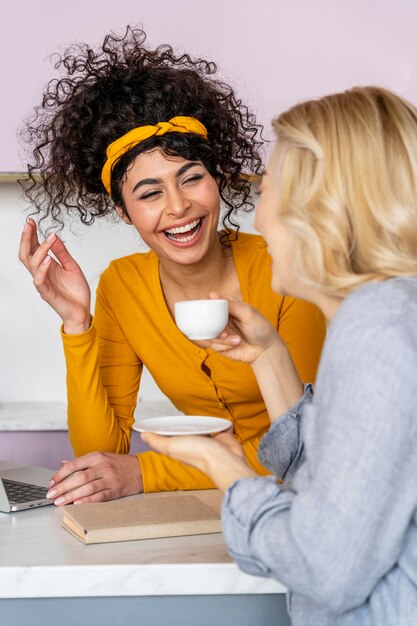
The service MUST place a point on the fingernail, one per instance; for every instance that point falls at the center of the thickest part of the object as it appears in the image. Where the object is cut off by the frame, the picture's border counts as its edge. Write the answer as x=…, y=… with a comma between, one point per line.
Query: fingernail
x=63, y=462
x=51, y=494
x=59, y=501
x=51, y=483
x=26, y=227
x=235, y=340
x=50, y=236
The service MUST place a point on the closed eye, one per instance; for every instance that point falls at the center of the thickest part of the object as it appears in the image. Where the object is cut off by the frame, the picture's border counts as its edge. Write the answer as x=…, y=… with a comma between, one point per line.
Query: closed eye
x=193, y=178
x=149, y=194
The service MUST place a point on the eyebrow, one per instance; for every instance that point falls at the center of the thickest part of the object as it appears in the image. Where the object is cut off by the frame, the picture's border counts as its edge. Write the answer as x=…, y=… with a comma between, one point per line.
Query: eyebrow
x=155, y=181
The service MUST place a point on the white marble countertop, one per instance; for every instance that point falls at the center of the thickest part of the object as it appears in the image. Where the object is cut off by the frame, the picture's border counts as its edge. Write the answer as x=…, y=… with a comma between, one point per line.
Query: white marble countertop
x=50, y=416
x=39, y=559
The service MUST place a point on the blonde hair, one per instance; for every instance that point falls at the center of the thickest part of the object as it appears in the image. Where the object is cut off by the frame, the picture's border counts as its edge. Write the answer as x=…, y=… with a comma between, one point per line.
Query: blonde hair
x=346, y=169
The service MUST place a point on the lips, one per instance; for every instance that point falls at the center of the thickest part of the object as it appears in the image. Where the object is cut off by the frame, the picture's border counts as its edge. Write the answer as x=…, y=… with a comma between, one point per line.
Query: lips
x=186, y=233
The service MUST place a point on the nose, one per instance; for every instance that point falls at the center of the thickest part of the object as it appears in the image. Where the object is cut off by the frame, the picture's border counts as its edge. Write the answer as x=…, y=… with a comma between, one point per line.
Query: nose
x=177, y=203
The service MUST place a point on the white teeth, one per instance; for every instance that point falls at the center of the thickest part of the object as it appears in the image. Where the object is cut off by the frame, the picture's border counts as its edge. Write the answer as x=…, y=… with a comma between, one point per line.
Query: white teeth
x=183, y=229
x=185, y=239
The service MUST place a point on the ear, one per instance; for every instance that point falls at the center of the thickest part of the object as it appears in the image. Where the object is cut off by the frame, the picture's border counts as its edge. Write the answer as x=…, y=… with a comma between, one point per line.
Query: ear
x=121, y=213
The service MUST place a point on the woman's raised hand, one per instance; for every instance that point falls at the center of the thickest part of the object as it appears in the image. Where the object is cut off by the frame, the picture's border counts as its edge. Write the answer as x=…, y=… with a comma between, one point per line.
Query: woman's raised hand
x=248, y=333
x=251, y=338
x=59, y=281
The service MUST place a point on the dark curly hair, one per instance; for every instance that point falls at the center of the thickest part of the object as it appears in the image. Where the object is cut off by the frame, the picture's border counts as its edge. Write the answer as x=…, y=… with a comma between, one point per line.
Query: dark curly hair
x=106, y=93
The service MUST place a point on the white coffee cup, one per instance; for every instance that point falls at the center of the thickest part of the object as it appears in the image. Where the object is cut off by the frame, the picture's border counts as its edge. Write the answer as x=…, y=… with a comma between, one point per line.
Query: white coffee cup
x=201, y=319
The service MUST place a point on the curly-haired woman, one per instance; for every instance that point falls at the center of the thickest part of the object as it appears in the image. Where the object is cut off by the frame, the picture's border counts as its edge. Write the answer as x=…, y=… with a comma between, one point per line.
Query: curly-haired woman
x=156, y=138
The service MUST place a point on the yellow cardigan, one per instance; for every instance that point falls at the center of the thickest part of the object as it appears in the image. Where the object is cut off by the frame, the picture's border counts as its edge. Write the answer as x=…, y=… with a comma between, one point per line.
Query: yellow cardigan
x=133, y=326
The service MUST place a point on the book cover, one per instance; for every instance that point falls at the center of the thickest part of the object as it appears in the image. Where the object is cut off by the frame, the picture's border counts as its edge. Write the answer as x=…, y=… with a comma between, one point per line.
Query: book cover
x=139, y=517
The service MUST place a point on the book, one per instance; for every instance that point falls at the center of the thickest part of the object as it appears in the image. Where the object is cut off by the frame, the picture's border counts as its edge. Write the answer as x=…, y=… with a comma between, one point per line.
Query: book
x=140, y=517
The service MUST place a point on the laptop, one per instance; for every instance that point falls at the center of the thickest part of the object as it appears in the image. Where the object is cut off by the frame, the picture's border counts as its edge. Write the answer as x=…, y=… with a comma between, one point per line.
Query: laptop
x=24, y=487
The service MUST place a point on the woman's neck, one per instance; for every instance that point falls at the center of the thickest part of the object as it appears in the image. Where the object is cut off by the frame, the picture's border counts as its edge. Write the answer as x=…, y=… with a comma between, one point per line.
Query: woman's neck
x=215, y=272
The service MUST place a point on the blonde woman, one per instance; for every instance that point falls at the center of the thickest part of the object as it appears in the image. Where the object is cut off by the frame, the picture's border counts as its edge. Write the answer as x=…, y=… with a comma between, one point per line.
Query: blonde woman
x=338, y=210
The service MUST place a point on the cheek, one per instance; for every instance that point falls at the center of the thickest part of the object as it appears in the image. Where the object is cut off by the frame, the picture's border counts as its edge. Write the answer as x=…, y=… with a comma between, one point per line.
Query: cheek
x=277, y=278
x=144, y=220
x=259, y=221
x=265, y=214
x=211, y=197
x=277, y=245
x=280, y=277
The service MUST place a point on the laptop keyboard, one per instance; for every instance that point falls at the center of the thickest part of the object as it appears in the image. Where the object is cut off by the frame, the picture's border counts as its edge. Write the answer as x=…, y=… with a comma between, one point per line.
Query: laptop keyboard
x=23, y=492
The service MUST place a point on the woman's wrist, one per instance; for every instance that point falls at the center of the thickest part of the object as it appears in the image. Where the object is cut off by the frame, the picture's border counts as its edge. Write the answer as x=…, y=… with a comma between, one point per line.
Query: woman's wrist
x=224, y=469
x=76, y=328
x=274, y=353
x=278, y=380
x=138, y=476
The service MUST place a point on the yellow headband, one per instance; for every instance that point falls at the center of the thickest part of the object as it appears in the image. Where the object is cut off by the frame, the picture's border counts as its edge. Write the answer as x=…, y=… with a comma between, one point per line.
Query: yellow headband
x=179, y=124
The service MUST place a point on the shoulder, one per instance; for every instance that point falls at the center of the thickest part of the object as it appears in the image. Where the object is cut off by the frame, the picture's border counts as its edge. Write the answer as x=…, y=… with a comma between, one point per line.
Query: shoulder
x=254, y=268
x=248, y=242
x=131, y=263
x=375, y=331
x=381, y=303
x=251, y=251
x=124, y=268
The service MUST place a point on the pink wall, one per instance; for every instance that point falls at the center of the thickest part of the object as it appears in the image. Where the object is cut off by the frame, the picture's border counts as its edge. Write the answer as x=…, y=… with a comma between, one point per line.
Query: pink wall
x=275, y=51
x=45, y=449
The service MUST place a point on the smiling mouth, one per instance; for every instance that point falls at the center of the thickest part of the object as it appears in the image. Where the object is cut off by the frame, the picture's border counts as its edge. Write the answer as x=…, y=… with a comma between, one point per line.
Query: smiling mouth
x=184, y=233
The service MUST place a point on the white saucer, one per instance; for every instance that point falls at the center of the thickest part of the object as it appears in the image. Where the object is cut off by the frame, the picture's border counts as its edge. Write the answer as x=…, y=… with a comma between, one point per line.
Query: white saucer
x=182, y=425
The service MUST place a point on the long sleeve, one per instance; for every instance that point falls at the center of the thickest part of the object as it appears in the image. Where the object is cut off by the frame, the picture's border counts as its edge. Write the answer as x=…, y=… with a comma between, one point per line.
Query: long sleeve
x=281, y=449
x=342, y=526
x=100, y=411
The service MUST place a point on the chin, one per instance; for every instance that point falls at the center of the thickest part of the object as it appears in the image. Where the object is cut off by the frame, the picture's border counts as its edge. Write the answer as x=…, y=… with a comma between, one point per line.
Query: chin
x=279, y=287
